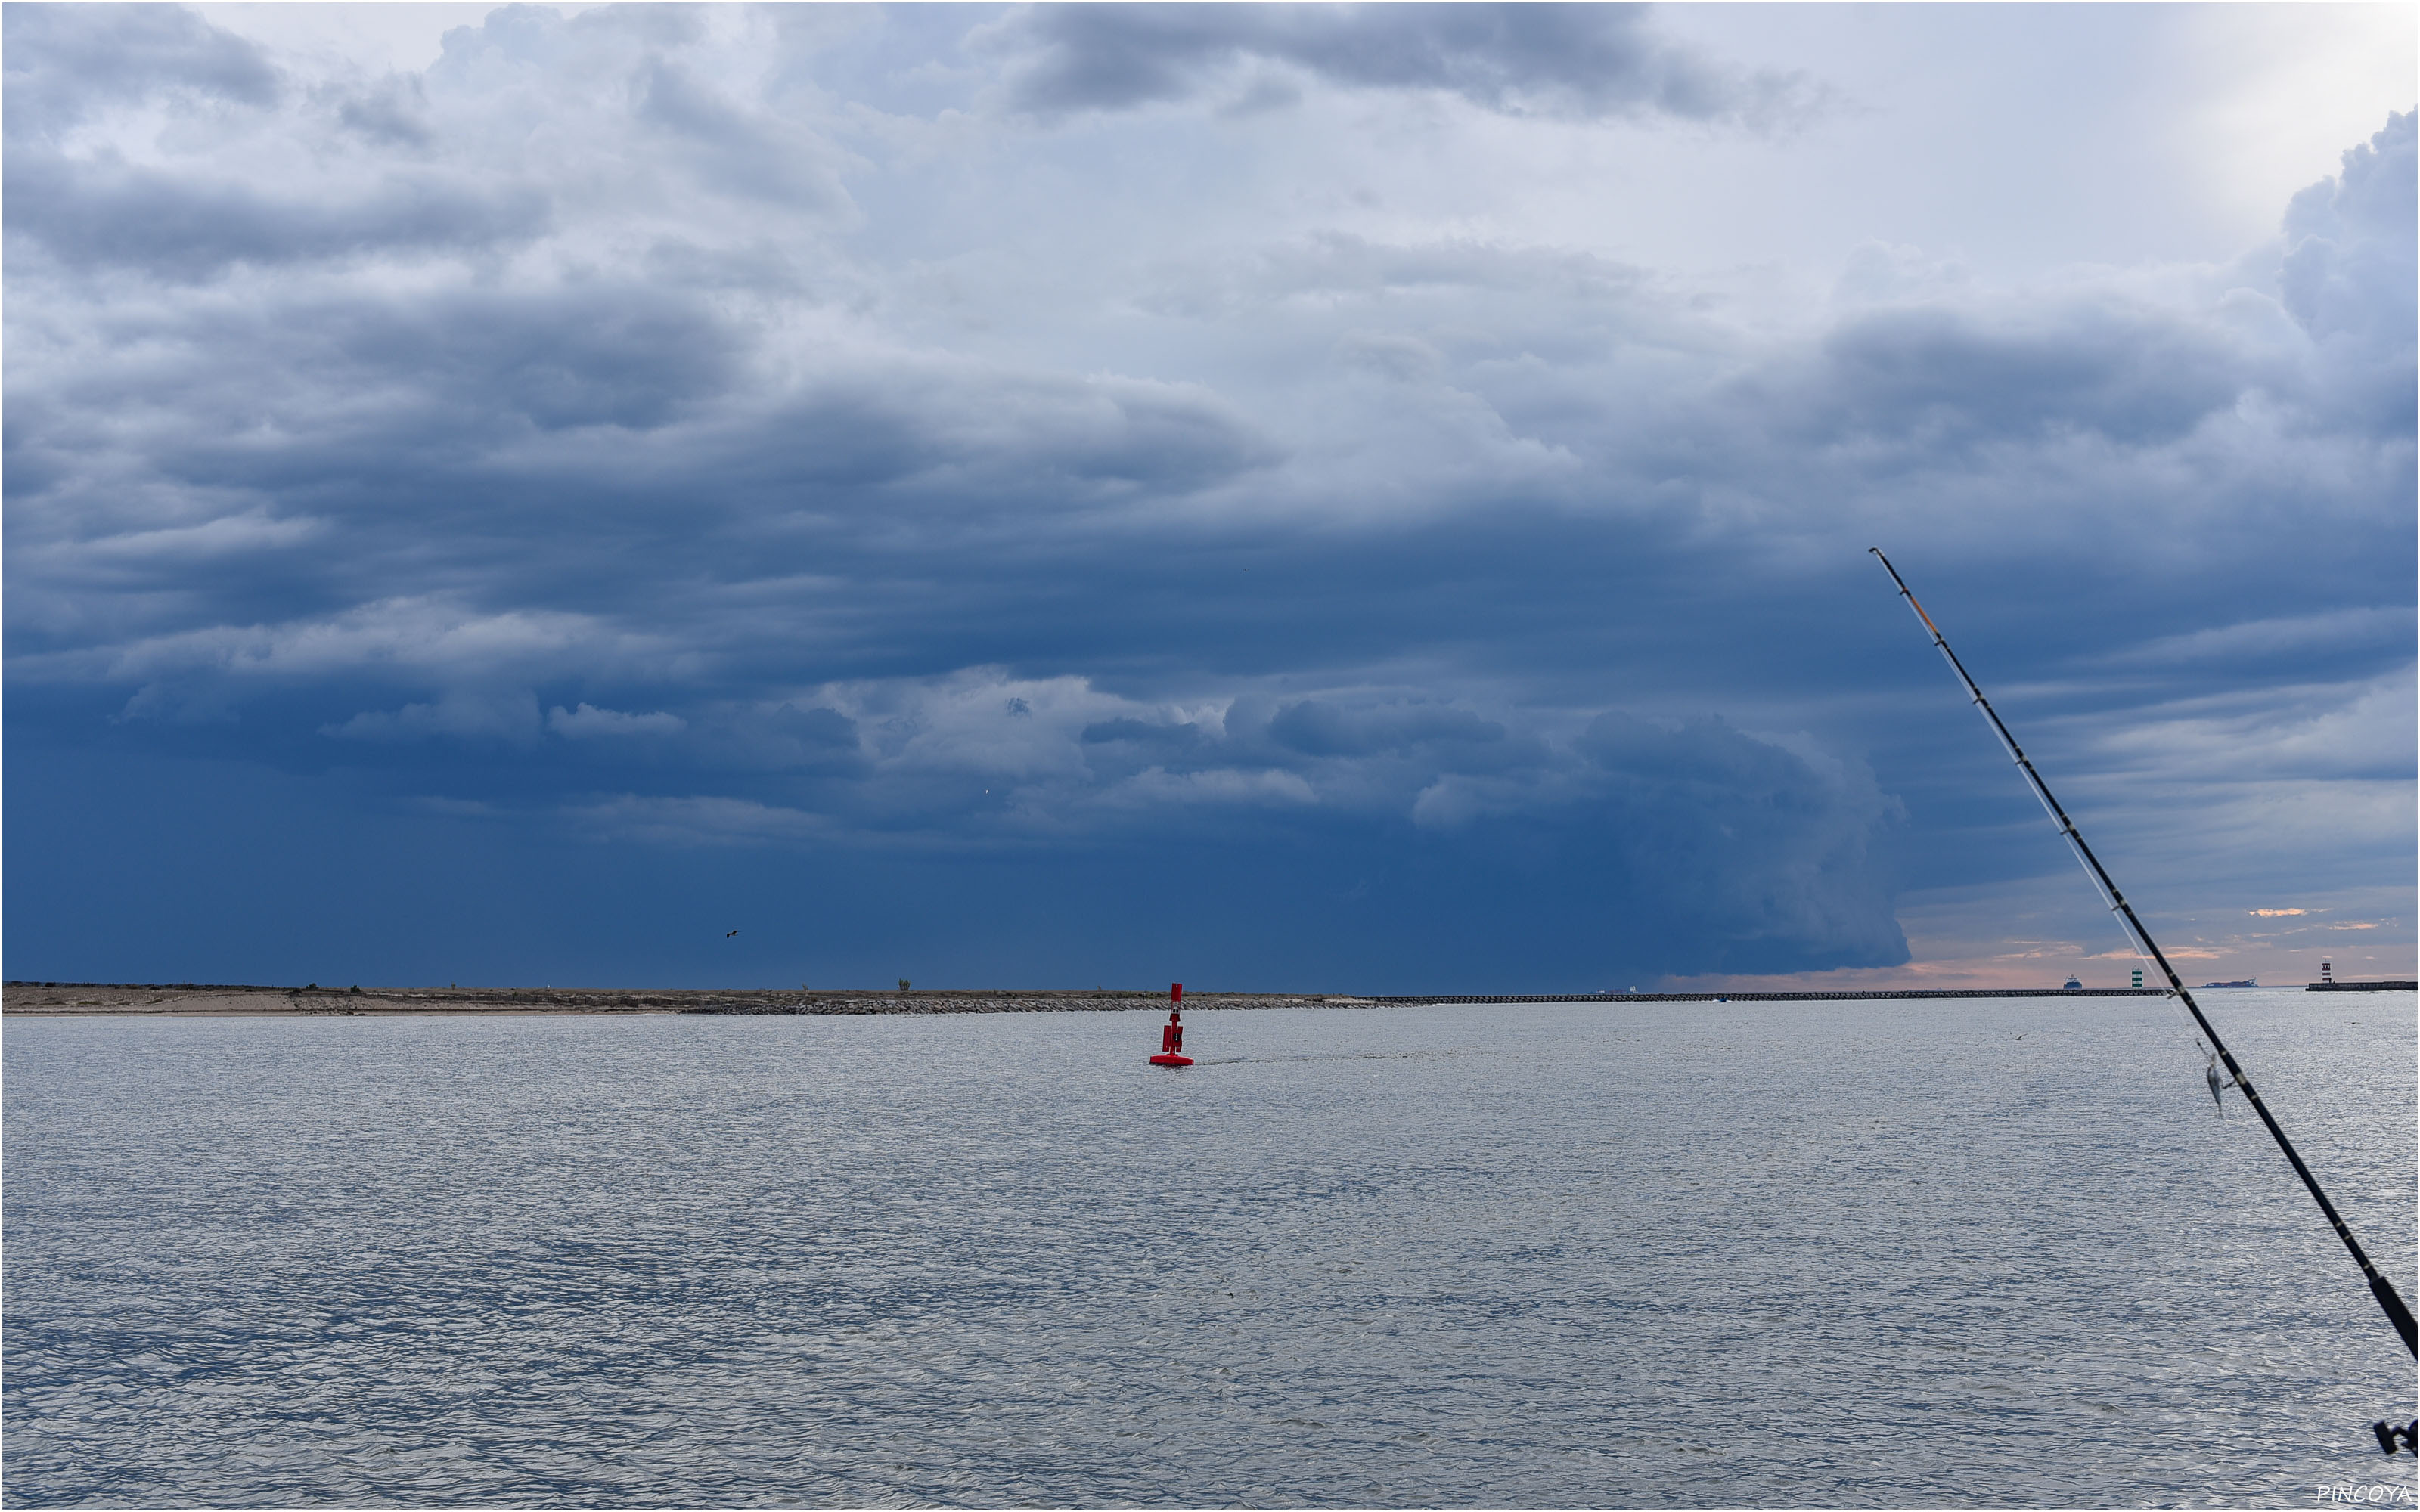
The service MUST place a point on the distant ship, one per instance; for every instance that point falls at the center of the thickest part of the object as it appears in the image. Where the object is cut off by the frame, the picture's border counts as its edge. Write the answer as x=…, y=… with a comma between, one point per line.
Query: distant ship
x=2070, y=985
x=2245, y=982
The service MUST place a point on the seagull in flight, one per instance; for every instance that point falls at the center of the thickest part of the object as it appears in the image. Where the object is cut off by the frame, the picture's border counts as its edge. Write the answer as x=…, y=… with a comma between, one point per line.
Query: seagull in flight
x=729, y=932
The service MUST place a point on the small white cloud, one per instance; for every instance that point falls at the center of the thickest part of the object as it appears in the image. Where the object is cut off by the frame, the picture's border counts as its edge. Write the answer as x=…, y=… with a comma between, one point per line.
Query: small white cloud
x=510, y=716
x=1156, y=785
x=588, y=722
x=697, y=820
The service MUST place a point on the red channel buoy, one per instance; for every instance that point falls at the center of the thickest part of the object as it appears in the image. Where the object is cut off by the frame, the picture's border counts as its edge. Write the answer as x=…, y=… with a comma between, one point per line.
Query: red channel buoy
x=1171, y=1034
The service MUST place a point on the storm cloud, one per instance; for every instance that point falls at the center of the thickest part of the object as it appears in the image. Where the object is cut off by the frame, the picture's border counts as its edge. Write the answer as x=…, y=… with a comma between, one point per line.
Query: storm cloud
x=1586, y=60
x=748, y=451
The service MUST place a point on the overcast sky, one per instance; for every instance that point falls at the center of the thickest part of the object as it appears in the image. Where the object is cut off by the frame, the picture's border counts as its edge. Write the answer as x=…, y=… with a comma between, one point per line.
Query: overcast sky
x=1329, y=499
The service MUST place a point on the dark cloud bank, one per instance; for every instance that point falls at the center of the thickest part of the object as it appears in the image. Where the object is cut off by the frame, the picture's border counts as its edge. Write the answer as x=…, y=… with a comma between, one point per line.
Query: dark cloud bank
x=1547, y=59
x=492, y=525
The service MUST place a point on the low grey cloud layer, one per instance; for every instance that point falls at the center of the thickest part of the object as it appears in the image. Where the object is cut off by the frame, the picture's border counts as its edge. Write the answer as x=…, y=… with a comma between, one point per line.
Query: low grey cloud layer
x=72, y=66
x=786, y=435
x=1554, y=59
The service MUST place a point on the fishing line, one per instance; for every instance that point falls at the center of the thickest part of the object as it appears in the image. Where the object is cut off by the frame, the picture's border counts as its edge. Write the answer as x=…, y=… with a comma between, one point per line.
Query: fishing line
x=2388, y=1298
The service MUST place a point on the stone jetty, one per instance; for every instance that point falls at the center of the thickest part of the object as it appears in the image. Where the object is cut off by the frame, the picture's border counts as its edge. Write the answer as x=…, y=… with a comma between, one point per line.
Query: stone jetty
x=63, y=999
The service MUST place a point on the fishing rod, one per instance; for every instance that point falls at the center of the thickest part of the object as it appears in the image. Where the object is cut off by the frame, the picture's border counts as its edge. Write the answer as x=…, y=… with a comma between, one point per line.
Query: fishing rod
x=2384, y=1290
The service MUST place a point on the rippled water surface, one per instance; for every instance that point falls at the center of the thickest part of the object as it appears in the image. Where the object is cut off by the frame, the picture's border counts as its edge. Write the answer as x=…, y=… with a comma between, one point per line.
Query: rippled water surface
x=1752, y=1254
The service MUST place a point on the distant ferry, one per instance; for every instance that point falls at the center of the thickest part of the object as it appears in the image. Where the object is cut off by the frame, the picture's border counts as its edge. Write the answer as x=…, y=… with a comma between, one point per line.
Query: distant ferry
x=2070, y=985
x=2245, y=982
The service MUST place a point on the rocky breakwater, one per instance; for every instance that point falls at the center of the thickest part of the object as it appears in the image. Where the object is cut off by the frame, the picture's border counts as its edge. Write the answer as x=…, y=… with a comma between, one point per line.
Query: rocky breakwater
x=946, y=1000
x=86, y=998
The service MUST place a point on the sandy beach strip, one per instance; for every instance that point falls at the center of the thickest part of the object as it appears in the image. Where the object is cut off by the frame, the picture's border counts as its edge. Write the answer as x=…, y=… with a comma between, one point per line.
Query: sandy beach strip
x=67, y=999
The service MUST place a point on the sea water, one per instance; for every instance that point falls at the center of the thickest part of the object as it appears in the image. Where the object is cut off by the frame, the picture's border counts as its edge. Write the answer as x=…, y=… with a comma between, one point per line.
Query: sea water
x=1898, y=1252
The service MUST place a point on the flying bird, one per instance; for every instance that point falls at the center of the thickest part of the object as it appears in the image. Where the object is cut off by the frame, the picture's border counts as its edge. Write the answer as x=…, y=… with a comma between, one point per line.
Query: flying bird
x=729, y=932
